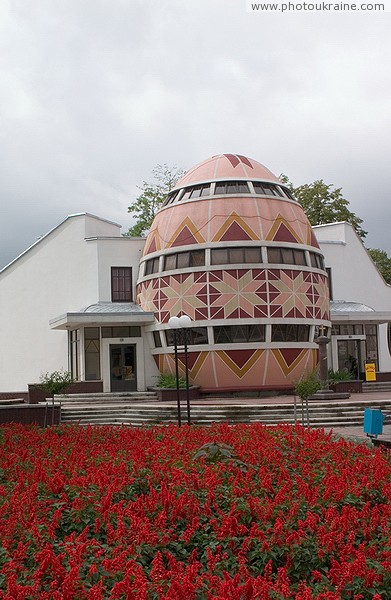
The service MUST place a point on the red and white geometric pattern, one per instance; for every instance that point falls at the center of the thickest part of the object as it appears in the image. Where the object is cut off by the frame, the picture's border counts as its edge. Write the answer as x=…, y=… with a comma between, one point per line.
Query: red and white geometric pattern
x=247, y=368
x=236, y=294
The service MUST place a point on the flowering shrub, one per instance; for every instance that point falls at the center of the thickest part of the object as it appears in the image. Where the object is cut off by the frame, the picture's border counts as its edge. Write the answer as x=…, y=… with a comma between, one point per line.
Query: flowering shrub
x=223, y=513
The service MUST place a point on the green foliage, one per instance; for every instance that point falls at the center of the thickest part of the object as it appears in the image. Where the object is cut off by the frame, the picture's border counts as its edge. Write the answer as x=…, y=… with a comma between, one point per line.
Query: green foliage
x=323, y=203
x=168, y=380
x=214, y=452
x=382, y=262
x=151, y=198
x=335, y=376
x=56, y=382
x=308, y=385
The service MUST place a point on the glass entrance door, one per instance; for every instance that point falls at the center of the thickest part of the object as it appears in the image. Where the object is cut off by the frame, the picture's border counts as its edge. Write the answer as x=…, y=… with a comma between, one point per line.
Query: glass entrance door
x=349, y=357
x=123, y=368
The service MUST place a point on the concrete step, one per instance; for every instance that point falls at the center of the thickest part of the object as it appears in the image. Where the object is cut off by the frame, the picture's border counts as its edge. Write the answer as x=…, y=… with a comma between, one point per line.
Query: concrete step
x=223, y=410
x=211, y=413
x=323, y=420
x=376, y=386
x=11, y=401
x=103, y=409
x=106, y=398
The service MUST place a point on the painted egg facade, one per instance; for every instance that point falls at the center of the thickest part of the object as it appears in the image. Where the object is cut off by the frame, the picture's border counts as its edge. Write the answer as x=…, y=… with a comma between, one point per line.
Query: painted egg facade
x=235, y=252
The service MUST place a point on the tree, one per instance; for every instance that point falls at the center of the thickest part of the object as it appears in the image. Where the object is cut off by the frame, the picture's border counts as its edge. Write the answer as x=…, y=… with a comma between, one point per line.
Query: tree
x=323, y=203
x=55, y=383
x=146, y=205
x=382, y=262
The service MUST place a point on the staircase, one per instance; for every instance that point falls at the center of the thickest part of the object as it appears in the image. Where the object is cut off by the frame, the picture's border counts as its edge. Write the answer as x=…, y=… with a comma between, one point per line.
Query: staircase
x=143, y=409
x=376, y=386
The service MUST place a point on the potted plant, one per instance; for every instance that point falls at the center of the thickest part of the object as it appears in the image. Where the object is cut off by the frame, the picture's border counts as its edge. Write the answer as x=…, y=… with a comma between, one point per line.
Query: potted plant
x=341, y=381
x=166, y=387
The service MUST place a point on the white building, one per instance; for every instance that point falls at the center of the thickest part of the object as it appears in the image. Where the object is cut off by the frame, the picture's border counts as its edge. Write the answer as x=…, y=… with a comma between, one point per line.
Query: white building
x=360, y=302
x=67, y=302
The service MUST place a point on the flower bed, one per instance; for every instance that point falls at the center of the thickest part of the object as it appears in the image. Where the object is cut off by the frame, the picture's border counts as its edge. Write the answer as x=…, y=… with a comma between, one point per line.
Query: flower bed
x=143, y=513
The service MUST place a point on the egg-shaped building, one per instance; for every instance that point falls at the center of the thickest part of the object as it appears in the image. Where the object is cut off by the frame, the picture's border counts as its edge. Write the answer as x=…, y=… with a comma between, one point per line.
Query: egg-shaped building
x=234, y=251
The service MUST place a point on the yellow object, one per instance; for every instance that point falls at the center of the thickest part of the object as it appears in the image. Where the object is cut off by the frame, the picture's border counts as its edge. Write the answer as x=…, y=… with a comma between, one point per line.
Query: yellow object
x=370, y=372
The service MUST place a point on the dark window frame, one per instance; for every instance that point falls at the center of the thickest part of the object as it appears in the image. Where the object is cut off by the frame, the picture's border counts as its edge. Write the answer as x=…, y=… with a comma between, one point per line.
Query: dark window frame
x=74, y=353
x=230, y=251
x=193, y=259
x=92, y=348
x=224, y=188
x=196, y=336
x=317, y=261
x=239, y=334
x=329, y=282
x=152, y=266
x=121, y=277
x=129, y=331
x=267, y=189
x=298, y=255
x=190, y=193
x=157, y=339
x=284, y=332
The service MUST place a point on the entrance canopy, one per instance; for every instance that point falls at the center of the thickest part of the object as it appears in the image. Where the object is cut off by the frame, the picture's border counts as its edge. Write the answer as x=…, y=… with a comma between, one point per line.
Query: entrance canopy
x=103, y=313
x=342, y=312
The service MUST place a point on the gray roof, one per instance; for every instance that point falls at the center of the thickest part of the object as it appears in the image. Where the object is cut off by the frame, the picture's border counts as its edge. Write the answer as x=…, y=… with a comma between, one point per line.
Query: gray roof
x=356, y=312
x=112, y=307
x=337, y=306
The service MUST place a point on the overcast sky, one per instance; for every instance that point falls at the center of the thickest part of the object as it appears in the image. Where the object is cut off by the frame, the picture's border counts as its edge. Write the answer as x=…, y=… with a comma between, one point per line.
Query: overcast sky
x=95, y=93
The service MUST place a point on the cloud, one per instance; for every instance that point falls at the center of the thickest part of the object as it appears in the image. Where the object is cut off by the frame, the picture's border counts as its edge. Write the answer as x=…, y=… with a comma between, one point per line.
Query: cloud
x=94, y=94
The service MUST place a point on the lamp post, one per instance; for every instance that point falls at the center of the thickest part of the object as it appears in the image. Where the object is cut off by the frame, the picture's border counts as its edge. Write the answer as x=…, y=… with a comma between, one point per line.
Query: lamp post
x=173, y=322
x=181, y=323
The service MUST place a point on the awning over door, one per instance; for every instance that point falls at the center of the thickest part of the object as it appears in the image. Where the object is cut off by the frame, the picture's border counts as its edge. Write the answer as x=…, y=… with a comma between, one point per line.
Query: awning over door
x=342, y=312
x=103, y=313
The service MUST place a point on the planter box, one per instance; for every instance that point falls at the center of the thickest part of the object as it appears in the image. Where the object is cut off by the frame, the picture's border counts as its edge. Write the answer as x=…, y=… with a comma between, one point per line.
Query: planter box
x=36, y=394
x=353, y=386
x=170, y=394
x=27, y=414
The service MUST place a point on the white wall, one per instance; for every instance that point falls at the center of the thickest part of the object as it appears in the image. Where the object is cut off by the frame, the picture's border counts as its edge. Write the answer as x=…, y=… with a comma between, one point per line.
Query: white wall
x=116, y=252
x=58, y=274
x=354, y=276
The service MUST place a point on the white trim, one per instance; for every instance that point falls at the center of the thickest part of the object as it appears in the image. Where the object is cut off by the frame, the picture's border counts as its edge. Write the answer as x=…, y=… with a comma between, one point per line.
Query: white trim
x=76, y=320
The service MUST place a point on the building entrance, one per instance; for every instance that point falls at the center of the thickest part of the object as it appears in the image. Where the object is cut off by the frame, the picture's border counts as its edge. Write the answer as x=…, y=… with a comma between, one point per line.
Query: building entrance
x=123, y=368
x=349, y=357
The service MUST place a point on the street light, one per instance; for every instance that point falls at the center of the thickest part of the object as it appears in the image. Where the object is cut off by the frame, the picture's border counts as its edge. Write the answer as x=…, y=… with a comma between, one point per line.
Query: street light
x=181, y=323
x=174, y=323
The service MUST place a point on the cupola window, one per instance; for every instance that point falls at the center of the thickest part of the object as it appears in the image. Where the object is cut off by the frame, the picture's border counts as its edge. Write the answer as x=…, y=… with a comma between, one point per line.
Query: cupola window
x=231, y=187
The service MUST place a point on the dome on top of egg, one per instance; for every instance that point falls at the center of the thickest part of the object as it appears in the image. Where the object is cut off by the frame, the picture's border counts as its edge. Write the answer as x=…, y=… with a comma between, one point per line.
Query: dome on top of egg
x=226, y=166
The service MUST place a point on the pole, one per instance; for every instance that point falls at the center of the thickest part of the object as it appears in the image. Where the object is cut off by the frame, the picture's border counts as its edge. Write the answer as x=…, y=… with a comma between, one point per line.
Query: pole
x=178, y=400
x=187, y=377
x=322, y=342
